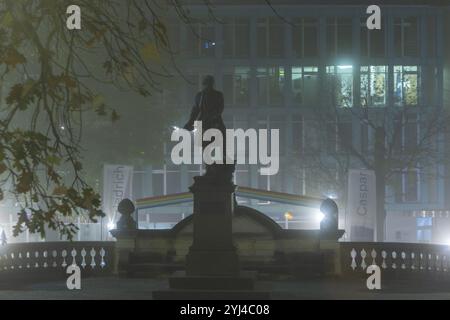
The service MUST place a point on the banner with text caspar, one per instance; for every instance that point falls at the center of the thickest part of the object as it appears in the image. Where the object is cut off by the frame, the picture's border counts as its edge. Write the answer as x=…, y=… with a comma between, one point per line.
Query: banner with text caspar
x=361, y=205
x=117, y=185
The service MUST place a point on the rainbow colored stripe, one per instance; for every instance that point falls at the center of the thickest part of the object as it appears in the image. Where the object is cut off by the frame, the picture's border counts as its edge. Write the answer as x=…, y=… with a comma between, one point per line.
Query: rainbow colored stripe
x=243, y=192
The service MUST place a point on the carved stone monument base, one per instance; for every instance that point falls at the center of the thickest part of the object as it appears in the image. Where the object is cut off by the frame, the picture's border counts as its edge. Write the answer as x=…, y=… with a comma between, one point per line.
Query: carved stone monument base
x=212, y=264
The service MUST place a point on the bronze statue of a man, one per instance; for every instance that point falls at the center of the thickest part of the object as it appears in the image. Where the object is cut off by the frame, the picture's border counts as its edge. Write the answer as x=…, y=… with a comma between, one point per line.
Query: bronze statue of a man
x=208, y=108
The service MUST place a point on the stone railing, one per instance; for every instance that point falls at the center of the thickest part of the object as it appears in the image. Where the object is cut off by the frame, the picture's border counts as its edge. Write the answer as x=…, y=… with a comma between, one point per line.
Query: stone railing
x=30, y=260
x=396, y=260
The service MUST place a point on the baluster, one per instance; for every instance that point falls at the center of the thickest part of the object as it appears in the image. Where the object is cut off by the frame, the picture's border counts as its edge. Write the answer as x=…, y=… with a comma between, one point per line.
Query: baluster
x=74, y=254
x=5, y=257
x=394, y=257
x=54, y=254
x=83, y=255
x=353, y=255
x=403, y=256
x=429, y=262
x=384, y=256
x=36, y=256
x=93, y=253
x=28, y=260
x=45, y=257
x=413, y=261
x=437, y=262
x=64, y=255
x=20, y=260
x=12, y=260
x=374, y=256
x=102, y=254
x=363, y=256
x=422, y=261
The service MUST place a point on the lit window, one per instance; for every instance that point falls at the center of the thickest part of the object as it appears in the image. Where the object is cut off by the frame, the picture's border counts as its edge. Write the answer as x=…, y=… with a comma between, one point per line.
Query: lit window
x=424, y=222
x=236, y=87
x=424, y=227
x=406, y=85
x=373, y=86
x=305, y=86
x=340, y=85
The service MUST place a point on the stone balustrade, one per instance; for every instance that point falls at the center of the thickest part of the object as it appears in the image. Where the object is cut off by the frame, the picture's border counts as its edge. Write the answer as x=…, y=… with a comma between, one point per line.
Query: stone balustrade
x=33, y=260
x=397, y=260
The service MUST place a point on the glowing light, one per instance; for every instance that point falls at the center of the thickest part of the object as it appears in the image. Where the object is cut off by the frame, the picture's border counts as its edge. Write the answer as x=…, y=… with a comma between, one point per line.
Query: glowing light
x=111, y=225
x=345, y=67
x=319, y=216
x=331, y=196
x=288, y=216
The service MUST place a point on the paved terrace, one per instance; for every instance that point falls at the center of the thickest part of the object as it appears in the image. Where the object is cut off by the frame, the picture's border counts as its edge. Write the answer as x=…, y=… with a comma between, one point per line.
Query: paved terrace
x=113, y=288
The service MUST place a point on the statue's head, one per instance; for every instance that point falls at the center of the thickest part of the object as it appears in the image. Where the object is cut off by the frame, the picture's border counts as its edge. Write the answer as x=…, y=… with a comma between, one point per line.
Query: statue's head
x=208, y=82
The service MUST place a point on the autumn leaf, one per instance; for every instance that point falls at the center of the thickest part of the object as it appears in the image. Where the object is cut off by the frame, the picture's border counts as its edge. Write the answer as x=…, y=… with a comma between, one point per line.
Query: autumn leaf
x=60, y=191
x=53, y=160
x=98, y=101
x=150, y=52
x=13, y=58
x=15, y=94
x=24, y=182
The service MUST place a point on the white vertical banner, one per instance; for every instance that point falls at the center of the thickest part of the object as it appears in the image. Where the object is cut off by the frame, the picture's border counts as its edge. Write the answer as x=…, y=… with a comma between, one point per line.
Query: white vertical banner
x=361, y=205
x=117, y=185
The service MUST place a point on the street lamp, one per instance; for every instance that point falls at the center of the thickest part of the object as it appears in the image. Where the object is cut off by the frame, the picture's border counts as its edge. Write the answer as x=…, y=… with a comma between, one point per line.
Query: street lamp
x=111, y=225
x=287, y=216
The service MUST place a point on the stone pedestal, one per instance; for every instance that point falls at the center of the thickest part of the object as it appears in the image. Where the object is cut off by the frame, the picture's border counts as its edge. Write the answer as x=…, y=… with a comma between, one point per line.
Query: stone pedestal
x=212, y=252
x=126, y=237
x=212, y=264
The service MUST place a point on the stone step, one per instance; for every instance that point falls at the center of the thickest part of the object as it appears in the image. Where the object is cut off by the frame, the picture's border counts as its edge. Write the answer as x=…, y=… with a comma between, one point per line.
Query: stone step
x=243, y=281
x=150, y=270
x=211, y=295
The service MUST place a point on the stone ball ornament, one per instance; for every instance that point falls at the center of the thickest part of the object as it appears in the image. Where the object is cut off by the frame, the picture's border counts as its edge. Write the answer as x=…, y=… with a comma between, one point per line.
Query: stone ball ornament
x=126, y=208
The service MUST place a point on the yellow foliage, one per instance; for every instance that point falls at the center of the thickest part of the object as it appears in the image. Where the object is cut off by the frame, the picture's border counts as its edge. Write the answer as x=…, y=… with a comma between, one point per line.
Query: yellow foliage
x=150, y=52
